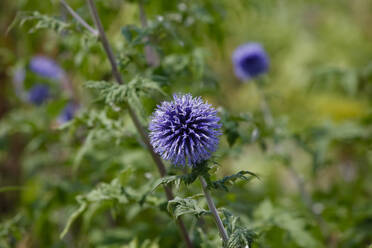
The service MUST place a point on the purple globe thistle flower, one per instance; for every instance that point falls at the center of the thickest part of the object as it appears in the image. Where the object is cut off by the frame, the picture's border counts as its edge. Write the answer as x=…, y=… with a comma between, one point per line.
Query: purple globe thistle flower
x=250, y=60
x=38, y=94
x=68, y=113
x=45, y=67
x=185, y=130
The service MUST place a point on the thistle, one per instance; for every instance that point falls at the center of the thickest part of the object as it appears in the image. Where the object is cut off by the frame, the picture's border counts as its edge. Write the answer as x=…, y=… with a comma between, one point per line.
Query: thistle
x=250, y=60
x=45, y=67
x=38, y=94
x=185, y=130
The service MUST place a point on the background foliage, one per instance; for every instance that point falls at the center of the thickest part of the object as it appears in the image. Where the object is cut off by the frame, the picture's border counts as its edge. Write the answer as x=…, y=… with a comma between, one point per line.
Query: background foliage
x=93, y=176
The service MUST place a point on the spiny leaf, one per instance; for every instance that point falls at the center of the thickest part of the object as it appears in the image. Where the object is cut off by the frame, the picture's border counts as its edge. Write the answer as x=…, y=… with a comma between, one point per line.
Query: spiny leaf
x=222, y=184
x=199, y=170
x=40, y=21
x=112, y=191
x=110, y=92
x=113, y=93
x=238, y=236
x=241, y=237
x=180, y=206
x=164, y=181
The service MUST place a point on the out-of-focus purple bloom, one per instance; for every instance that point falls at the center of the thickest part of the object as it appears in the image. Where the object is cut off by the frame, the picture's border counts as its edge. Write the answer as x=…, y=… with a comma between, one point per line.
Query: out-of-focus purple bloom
x=68, y=112
x=45, y=67
x=250, y=60
x=38, y=94
x=185, y=130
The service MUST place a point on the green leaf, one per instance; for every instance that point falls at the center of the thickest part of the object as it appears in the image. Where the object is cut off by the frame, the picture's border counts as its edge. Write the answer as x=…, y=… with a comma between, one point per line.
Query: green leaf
x=228, y=180
x=180, y=206
x=241, y=237
x=238, y=236
x=165, y=181
x=40, y=22
x=73, y=217
x=115, y=94
x=88, y=144
x=294, y=225
x=110, y=92
x=112, y=191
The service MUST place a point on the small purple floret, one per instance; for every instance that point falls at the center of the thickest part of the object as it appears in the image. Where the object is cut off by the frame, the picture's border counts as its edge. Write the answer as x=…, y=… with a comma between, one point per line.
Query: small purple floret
x=45, y=67
x=185, y=130
x=68, y=113
x=38, y=94
x=250, y=60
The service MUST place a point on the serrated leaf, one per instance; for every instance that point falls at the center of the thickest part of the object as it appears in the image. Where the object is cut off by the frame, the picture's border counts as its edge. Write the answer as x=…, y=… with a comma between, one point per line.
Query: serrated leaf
x=241, y=237
x=164, y=181
x=114, y=94
x=180, y=206
x=222, y=184
x=238, y=236
x=41, y=22
x=112, y=191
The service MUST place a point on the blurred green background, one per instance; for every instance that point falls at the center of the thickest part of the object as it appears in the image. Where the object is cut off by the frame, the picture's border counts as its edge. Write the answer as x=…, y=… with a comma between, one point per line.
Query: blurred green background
x=315, y=161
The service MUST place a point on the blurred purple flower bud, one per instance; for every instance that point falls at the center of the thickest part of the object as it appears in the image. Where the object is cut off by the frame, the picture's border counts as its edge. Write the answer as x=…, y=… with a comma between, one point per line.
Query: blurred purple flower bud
x=185, y=130
x=45, y=67
x=250, y=60
x=38, y=94
x=68, y=112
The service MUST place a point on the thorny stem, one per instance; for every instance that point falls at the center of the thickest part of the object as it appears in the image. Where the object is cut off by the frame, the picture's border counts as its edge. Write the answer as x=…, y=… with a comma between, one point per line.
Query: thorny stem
x=213, y=209
x=151, y=55
x=79, y=19
x=133, y=115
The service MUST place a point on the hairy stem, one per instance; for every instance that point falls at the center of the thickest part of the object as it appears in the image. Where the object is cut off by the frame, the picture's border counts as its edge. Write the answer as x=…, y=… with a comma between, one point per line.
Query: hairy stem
x=150, y=53
x=213, y=209
x=78, y=18
x=133, y=115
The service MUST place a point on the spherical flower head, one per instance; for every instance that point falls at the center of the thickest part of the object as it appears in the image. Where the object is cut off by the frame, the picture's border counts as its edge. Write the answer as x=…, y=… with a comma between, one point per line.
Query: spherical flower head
x=250, y=60
x=185, y=131
x=68, y=113
x=38, y=94
x=45, y=67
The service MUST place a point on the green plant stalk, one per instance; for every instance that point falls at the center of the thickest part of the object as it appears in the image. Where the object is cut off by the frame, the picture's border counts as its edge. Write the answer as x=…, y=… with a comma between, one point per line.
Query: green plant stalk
x=266, y=111
x=305, y=195
x=213, y=209
x=152, y=58
x=79, y=19
x=133, y=115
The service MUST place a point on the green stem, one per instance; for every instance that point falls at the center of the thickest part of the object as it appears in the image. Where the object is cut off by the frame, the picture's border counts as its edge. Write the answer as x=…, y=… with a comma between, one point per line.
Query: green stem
x=213, y=209
x=137, y=123
x=152, y=57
